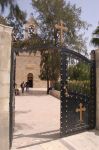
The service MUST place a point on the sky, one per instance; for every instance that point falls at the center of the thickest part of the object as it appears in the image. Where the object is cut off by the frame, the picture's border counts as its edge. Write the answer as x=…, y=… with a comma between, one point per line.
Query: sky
x=90, y=13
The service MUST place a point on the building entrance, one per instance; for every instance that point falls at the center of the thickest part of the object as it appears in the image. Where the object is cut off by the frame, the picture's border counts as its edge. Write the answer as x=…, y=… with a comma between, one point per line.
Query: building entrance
x=30, y=79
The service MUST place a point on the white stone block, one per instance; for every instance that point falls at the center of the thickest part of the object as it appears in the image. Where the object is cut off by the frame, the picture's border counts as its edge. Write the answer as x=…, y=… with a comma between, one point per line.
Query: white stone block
x=5, y=77
x=5, y=56
x=5, y=91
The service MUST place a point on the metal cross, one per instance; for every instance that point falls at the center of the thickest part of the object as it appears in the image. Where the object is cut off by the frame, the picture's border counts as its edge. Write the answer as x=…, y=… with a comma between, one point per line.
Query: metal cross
x=81, y=110
x=62, y=28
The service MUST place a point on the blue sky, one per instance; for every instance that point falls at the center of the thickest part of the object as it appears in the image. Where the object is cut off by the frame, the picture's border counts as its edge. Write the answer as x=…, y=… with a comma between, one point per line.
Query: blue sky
x=90, y=13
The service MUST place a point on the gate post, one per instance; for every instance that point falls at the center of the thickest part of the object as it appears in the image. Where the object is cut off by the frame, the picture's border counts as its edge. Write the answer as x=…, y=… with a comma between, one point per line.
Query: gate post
x=97, y=88
x=92, y=106
x=63, y=93
x=5, y=57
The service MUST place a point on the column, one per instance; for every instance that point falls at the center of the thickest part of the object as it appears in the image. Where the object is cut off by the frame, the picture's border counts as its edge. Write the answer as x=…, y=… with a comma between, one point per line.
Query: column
x=5, y=56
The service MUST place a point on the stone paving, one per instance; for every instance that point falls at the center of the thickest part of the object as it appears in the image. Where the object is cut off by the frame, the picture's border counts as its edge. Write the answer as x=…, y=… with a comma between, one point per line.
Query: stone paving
x=37, y=120
x=38, y=126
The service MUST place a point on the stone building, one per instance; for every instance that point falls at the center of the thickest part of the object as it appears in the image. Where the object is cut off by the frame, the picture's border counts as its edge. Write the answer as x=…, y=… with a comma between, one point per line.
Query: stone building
x=28, y=65
x=28, y=69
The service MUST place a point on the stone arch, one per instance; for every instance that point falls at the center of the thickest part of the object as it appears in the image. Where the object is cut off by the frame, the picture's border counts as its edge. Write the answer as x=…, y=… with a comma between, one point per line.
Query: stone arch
x=30, y=79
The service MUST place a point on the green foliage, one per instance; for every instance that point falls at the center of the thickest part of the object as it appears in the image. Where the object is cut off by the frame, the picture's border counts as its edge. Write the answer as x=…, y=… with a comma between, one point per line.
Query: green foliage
x=17, y=24
x=80, y=71
x=95, y=38
x=96, y=31
x=79, y=86
x=50, y=12
x=75, y=86
x=3, y=20
x=15, y=18
x=14, y=8
x=57, y=86
x=79, y=78
x=4, y=3
x=50, y=65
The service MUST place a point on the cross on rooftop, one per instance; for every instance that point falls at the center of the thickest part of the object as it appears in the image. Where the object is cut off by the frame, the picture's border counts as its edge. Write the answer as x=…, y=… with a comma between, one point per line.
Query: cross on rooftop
x=62, y=28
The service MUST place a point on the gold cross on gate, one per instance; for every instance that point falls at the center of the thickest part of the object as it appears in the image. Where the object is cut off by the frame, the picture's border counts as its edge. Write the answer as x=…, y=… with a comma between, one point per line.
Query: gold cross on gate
x=81, y=110
x=62, y=28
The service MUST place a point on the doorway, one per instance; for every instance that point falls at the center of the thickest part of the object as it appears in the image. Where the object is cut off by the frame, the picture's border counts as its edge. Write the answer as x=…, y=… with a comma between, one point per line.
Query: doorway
x=30, y=79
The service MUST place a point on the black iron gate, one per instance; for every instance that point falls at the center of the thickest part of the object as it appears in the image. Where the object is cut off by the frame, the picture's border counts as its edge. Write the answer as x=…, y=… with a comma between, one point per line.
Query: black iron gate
x=77, y=93
x=12, y=97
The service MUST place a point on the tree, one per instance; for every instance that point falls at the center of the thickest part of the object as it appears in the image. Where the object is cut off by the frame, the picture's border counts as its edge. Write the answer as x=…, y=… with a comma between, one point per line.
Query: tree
x=3, y=20
x=49, y=66
x=4, y=3
x=95, y=38
x=79, y=71
x=17, y=24
x=51, y=12
x=14, y=9
x=15, y=18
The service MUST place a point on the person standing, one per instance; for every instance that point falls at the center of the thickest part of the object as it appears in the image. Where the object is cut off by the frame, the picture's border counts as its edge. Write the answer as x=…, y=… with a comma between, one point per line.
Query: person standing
x=27, y=86
x=22, y=86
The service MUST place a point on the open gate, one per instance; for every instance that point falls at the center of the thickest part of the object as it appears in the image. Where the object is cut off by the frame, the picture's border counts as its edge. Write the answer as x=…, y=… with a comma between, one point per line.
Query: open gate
x=77, y=93
x=78, y=97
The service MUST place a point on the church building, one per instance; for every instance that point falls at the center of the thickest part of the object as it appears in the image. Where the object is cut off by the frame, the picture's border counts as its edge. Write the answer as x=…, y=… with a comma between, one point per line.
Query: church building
x=28, y=65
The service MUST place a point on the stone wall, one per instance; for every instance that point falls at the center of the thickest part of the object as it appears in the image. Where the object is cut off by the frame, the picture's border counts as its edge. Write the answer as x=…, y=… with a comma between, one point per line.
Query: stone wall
x=5, y=55
x=55, y=93
x=29, y=63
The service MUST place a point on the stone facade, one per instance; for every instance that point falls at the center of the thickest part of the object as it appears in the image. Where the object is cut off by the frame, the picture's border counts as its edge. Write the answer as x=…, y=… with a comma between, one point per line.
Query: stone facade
x=29, y=64
x=5, y=56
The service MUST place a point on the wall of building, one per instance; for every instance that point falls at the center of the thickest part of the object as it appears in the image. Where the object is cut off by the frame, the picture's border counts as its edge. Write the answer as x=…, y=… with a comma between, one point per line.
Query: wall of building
x=5, y=59
x=29, y=63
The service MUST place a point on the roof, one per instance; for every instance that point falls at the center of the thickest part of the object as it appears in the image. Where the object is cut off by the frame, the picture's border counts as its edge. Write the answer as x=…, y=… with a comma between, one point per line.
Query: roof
x=31, y=21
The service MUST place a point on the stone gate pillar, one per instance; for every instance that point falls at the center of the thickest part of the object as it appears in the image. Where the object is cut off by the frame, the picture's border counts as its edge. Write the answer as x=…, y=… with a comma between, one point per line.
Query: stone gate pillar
x=97, y=88
x=5, y=56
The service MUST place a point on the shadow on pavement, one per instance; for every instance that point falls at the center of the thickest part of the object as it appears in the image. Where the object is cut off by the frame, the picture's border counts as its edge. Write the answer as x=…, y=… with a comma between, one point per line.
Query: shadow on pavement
x=19, y=126
x=43, y=137
x=96, y=132
x=34, y=93
x=22, y=112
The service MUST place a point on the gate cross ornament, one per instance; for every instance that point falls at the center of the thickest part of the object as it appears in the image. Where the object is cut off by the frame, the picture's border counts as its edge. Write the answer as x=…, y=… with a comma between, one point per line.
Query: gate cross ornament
x=81, y=110
x=62, y=28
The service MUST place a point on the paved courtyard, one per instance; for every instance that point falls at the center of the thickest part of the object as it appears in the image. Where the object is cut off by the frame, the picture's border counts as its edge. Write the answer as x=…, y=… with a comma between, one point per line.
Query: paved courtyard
x=37, y=120
x=37, y=126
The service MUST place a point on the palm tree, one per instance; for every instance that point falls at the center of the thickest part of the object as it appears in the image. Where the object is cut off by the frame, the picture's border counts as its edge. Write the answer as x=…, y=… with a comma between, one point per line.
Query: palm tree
x=4, y=3
x=15, y=10
x=95, y=39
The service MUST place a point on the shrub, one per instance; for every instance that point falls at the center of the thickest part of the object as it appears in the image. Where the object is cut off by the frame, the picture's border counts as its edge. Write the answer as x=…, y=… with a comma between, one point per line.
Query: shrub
x=79, y=86
x=57, y=86
x=76, y=86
